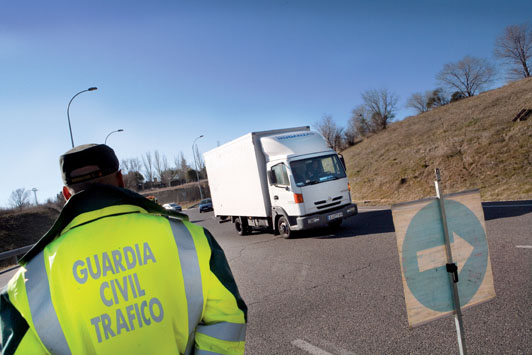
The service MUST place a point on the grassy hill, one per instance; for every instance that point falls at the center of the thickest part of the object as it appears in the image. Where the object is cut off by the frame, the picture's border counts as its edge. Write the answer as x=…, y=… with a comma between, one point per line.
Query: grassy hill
x=25, y=227
x=473, y=141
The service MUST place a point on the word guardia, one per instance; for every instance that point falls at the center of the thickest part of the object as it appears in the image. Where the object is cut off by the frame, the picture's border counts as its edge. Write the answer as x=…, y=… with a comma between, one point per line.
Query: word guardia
x=113, y=264
x=120, y=289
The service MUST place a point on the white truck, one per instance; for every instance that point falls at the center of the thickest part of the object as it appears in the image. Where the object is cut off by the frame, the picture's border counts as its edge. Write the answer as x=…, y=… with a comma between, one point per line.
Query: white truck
x=283, y=180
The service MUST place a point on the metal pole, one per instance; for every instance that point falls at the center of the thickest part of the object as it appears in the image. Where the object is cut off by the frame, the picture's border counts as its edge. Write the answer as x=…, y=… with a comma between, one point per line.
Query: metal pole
x=453, y=274
x=196, y=166
x=68, y=111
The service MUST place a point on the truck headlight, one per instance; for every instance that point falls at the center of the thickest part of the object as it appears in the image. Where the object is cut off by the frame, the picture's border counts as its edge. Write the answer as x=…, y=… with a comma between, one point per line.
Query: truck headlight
x=351, y=210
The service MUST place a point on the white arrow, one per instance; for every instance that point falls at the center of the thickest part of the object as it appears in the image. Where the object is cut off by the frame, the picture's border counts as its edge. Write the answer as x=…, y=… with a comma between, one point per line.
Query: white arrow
x=435, y=257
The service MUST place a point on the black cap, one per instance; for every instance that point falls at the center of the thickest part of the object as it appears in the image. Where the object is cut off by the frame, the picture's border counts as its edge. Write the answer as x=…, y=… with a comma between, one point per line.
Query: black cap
x=99, y=155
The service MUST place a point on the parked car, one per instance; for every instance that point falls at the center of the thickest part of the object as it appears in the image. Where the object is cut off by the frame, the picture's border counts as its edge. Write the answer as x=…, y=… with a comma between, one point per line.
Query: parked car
x=205, y=205
x=172, y=206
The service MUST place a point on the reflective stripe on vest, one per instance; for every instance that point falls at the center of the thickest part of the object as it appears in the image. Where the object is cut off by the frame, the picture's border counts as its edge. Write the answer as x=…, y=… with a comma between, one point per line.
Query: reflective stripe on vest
x=41, y=307
x=188, y=258
x=224, y=331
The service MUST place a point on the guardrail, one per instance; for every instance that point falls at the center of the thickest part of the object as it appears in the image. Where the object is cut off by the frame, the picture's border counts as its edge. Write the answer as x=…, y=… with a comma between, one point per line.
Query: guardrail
x=15, y=252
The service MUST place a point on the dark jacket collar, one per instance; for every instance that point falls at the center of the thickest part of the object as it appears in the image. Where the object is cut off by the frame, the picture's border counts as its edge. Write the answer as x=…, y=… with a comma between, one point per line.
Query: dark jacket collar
x=94, y=198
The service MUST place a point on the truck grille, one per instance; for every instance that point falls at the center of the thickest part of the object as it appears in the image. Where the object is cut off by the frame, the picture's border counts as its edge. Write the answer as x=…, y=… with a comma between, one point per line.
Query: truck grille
x=328, y=205
x=324, y=201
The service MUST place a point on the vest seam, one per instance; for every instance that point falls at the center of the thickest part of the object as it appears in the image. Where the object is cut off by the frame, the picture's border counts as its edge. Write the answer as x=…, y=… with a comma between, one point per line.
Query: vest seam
x=101, y=217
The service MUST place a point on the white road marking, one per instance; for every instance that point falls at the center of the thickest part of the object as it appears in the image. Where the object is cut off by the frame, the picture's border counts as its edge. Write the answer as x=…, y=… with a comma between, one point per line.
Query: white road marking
x=524, y=246
x=499, y=206
x=336, y=348
x=371, y=209
x=384, y=208
x=303, y=345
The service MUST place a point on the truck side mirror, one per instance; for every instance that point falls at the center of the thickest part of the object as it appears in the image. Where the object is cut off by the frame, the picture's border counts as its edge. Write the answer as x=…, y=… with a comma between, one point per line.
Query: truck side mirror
x=342, y=160
x=271, y=177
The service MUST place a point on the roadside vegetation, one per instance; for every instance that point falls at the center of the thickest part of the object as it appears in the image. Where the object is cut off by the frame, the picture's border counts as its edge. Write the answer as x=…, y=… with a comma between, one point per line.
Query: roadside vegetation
x=474, y=142
x=476, y=137
x=22, y=227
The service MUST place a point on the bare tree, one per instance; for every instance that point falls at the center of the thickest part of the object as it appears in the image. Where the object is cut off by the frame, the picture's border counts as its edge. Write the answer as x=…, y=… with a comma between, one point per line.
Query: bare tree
x=124, y=165
x=132, y=164
x=198, y=159
x=381, y=105
x=158, y=165
x=181, y=166
x=469, y=75
x=456, y=96
x=418, y=101
x=515, y=47
x=332, y=133
x=131, y=172
x=358, y=125
x=165, y=173
x=133, y=179
x=147, y=164
x=19, y=198
x=436, y=98
x=350, y=134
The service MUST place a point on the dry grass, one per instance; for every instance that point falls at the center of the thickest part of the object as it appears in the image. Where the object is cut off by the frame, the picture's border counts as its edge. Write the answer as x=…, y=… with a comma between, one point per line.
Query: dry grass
x=473, y=141
x=24, y=227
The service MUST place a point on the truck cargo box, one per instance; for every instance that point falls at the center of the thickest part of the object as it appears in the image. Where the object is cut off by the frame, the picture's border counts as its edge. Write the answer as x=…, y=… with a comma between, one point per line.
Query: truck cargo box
x=237, y=175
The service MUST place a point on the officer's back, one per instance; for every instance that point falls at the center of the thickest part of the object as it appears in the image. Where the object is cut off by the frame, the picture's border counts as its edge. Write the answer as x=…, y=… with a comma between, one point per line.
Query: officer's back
x=117, y=273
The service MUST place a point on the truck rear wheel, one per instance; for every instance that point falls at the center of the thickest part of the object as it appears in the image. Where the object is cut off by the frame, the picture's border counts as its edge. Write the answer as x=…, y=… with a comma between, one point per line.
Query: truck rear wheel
x=241, y=226
x=283, y=227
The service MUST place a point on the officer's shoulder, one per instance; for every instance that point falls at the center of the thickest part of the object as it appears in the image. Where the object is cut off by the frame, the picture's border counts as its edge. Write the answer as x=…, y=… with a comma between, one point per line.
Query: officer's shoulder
x=198, y=231
x=194, y=229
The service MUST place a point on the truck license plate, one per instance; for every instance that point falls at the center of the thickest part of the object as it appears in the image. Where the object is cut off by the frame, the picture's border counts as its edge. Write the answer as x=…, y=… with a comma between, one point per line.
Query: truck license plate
x=335, y=216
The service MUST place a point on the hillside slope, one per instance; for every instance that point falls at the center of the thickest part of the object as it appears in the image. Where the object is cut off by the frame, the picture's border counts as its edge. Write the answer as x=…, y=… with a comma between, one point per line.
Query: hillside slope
x=21, y=228
x=473, y=141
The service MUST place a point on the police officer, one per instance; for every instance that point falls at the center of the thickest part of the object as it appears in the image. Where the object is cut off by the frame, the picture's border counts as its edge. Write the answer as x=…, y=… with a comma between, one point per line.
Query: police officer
x=119, y=274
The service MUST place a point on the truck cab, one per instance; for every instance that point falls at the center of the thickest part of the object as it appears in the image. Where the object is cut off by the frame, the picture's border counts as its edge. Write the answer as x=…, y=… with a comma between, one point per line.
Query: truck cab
x=308, y=184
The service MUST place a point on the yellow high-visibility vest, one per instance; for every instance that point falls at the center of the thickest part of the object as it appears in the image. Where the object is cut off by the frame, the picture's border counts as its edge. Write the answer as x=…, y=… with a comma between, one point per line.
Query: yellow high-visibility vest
x=118, y=280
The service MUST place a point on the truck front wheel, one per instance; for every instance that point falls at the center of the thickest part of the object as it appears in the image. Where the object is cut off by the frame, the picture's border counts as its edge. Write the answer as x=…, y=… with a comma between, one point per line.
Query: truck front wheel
x=241, y=226
x=283, y=227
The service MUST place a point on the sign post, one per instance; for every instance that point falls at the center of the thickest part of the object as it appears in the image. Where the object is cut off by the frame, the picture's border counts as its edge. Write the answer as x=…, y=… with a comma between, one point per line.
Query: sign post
x=452, y=270
x=444, y=257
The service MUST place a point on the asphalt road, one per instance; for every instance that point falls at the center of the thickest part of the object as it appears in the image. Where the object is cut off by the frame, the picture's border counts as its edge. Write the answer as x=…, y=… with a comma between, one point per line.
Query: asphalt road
x=341, y=293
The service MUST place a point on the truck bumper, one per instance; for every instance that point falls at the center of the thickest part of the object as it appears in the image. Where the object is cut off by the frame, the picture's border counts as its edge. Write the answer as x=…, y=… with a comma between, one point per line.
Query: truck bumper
x=323, y=219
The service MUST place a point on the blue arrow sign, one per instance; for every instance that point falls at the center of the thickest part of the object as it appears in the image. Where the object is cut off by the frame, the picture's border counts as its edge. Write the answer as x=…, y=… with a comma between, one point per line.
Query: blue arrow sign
x=428, y=280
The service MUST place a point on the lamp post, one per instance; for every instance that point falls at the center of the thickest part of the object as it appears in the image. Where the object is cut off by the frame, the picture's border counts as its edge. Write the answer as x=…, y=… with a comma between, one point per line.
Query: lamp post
x=196, y=166
x=68, y=111
x=118, y=130
x=35, y=194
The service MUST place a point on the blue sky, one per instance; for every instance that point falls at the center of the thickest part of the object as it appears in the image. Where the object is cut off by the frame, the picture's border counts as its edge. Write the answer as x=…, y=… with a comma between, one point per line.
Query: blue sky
x=169, y=71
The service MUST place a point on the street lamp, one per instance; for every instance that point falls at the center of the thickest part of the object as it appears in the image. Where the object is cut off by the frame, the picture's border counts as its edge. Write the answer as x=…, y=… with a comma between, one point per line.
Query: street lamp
x=118, y=130
x=68, y=111
x=35, y=194
x=196, y=166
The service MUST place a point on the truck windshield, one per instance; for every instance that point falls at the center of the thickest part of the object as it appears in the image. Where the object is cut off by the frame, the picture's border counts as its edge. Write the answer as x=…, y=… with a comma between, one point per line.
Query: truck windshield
x=316, y=170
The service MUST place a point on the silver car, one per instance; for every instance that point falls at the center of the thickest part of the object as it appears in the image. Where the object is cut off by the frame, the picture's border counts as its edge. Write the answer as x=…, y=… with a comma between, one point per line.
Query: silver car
x=172, y=206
